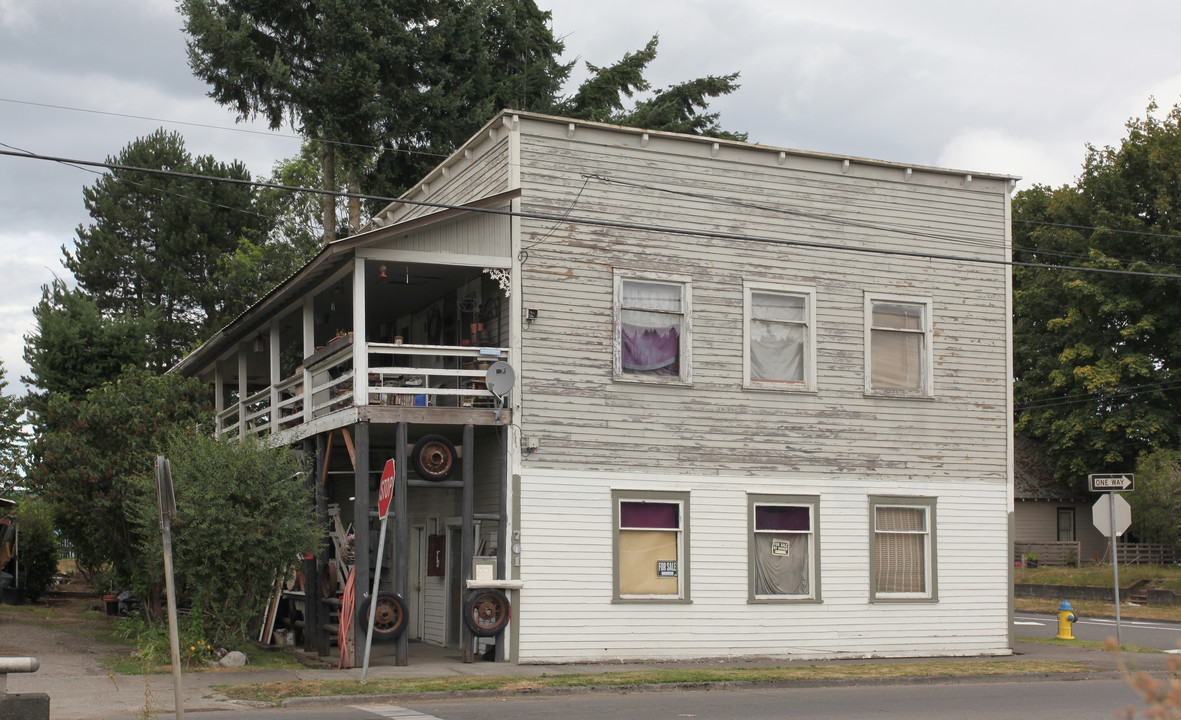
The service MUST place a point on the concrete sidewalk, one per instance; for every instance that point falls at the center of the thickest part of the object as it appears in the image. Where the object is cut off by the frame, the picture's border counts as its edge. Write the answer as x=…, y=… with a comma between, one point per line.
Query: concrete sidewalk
x=79, y=693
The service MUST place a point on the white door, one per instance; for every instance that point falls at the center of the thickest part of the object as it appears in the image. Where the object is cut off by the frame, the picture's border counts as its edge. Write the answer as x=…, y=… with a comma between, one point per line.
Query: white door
x=414, y=604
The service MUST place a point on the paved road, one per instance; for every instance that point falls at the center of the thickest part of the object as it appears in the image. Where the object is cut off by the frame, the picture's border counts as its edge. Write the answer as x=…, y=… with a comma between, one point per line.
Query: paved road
x=1145, y=633
x=1076, y=700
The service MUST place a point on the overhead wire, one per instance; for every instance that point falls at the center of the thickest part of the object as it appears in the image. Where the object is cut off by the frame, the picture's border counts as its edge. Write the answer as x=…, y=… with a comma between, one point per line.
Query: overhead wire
x=637, y=227
x=979, y=242
x=149, y=188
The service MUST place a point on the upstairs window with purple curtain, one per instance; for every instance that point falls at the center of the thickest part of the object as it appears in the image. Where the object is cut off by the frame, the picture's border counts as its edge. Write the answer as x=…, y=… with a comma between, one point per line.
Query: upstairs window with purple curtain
x=652, y=316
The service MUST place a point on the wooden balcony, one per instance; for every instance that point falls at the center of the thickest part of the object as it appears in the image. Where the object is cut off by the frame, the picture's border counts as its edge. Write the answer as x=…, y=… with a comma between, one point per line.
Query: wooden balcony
x=435, y=384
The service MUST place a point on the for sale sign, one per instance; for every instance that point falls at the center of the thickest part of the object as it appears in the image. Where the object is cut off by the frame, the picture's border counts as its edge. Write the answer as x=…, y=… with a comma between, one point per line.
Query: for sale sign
x=386, y=491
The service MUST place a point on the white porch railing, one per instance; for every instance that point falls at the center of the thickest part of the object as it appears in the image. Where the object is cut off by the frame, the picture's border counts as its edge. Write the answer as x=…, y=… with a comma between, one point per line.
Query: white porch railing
x=399, y=375
x=431, y=375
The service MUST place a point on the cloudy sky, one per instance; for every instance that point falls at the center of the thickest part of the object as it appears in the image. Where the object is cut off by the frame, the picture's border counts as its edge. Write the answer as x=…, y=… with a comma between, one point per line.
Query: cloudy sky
x=1017, y=87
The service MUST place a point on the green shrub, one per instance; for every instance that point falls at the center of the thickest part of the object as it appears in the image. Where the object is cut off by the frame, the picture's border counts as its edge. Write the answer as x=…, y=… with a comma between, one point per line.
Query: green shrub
x=244, y=515
x=38, y=547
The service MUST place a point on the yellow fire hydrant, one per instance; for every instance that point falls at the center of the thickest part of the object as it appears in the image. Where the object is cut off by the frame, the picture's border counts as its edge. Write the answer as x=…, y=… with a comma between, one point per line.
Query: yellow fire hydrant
x=1066, y=616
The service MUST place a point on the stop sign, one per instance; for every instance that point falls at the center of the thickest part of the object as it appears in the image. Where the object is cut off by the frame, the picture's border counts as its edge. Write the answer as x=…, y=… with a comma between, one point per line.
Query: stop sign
x=386, y=490
x=1101, y=515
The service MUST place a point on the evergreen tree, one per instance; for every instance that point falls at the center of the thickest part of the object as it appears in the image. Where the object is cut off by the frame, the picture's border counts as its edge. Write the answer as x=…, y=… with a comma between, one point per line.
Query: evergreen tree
x=92, y=452
x=414, y=78
x=13, y=439
x=155, y=242
x=74, y=348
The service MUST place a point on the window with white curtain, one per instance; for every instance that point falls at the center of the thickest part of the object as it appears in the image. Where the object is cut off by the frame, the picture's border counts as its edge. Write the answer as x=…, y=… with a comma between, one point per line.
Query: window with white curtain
x=651, y=552
x=652, y=329
x=903, y=548
x=784, y=548
x=898, y=346
x=780, y=338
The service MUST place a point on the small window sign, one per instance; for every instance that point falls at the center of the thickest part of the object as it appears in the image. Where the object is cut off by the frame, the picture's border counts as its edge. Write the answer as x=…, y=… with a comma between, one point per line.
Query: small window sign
x=666, y=568
x=781, y=547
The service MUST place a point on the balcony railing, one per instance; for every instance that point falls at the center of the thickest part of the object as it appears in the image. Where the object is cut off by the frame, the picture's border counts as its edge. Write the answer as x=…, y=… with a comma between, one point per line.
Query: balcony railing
x=398, y=375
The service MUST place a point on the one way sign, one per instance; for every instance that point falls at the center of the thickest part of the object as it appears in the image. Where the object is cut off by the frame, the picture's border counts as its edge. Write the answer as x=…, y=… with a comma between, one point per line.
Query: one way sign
x=1113, y=482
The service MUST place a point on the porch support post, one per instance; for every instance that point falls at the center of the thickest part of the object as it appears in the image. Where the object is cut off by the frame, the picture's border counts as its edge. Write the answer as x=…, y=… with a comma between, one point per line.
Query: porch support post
x=502, y=543
x=402, y=538
x=309, y=347
x=360, y=343
x=321, y=552
x=313, y=449
x=276, y=374
x=467, y=539
x=362, y=584
x=243, y=391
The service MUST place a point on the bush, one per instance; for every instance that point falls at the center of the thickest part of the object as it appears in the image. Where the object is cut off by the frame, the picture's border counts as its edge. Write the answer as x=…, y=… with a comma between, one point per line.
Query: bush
x=38, y=547
x=244, y=515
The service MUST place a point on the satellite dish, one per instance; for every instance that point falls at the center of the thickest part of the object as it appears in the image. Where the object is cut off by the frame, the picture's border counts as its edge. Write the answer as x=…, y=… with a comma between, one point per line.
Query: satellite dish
x=500, y=378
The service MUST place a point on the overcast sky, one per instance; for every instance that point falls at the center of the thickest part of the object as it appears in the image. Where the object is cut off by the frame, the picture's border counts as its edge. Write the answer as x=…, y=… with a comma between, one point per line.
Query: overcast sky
x=1001, y=86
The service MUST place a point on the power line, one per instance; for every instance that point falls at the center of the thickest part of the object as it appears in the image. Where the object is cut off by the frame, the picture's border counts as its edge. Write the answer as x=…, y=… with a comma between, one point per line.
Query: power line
x=854, y=223
x=1146, y=233
x=148, y=188
x=301, y=138
x=637, y=227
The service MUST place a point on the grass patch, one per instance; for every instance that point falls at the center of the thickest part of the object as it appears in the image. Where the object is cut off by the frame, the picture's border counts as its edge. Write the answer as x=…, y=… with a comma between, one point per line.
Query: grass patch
x=1095, y=608
x=1167, y=577
x=279, y=691
x=1088, y=644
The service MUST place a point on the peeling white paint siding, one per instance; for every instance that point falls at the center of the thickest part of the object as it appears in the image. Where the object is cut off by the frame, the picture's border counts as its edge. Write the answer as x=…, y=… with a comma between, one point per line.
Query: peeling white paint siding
x=718, y=441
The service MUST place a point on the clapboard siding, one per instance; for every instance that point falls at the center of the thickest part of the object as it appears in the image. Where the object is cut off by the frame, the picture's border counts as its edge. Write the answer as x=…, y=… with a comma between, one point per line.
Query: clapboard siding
x=566, y=522
x=715, y=425
x=485, y=173
x=475, y=234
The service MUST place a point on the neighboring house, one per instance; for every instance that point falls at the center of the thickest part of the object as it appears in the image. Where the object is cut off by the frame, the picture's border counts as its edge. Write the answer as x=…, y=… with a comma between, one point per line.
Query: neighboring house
x=1049, y=511
x=762, y=398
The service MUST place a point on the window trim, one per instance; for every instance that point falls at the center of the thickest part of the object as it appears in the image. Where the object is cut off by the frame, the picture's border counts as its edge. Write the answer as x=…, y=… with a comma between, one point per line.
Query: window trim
x=809, y=382
x=928, y=504
x=683, y=577
x=812, y=502
x=927, y=385
x=686, y=340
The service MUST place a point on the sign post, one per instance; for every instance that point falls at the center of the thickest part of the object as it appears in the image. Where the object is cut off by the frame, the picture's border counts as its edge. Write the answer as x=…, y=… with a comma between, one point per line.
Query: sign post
x=166, y=499
x=1111, y=516
x=385, y=493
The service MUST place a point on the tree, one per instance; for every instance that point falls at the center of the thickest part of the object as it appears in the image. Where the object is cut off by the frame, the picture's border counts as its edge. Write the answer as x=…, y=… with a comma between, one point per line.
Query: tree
x=87, y=459
x=244, y=515
x=13, y=438
x=75, y=348
x=155, y=242
x=1097, y=357
x=1156, y=503
x=334, y=68
x=677, y=108
x=39, y=552
x=414, y=79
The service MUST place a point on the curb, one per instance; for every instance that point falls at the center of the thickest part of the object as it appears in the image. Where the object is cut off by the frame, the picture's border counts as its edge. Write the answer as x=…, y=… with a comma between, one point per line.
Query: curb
x=394, y=698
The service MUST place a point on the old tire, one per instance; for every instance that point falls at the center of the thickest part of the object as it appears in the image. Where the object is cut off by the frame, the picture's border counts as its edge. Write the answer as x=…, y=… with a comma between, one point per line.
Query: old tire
x=486, y=612
x=433, y=458
x=389, y=619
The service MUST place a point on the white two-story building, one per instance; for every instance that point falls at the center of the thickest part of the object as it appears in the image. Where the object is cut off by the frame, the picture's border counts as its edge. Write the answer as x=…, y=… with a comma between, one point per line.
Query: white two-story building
x=757, y=401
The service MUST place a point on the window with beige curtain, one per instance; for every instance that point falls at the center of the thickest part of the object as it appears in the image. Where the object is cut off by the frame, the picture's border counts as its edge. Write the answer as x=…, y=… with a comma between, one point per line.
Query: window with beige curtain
x=902, y=550
x=778, y=338
x=649, y=549
x=898, y=347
